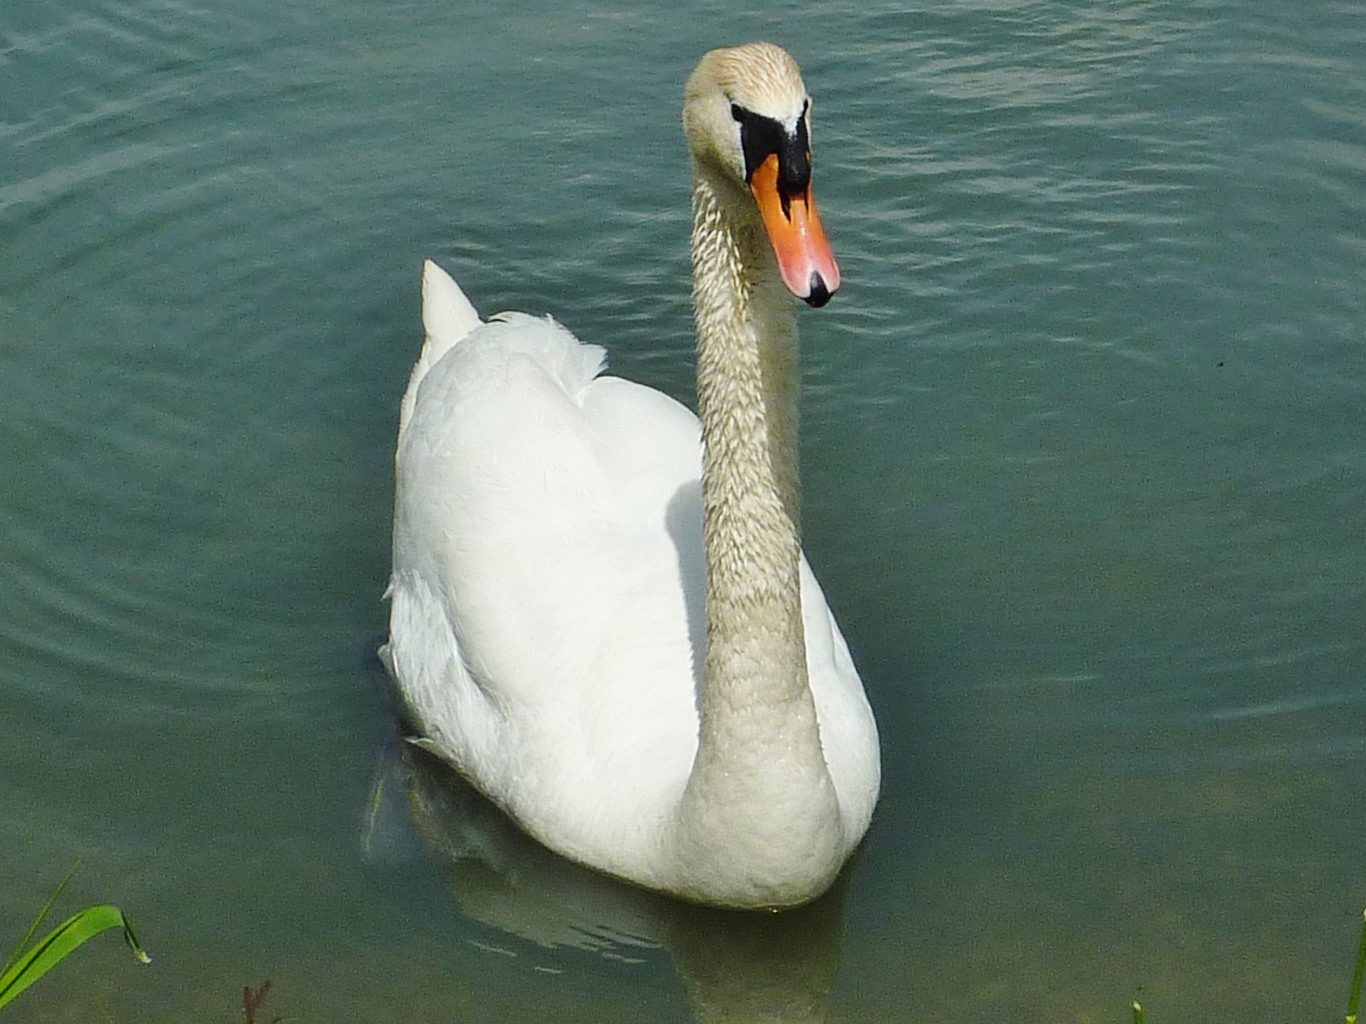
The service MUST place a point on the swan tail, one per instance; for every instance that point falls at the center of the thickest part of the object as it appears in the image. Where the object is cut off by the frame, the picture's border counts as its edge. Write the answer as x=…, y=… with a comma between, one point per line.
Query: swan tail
x=447, y=318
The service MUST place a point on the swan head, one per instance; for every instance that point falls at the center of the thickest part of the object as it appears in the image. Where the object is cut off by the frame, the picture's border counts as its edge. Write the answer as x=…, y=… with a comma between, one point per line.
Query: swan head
x=747, y=118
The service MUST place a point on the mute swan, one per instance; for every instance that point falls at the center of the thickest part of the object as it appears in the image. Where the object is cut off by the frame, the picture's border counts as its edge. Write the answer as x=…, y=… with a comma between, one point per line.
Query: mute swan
x=600, y=612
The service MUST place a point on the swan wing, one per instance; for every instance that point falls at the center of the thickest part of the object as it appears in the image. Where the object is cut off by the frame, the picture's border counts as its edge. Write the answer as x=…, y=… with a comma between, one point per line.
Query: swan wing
x=547, y=592
x=849, y=738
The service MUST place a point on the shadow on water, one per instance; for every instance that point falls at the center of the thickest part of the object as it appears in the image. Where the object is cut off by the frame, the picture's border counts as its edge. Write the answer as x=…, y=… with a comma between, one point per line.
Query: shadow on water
x=735, y=966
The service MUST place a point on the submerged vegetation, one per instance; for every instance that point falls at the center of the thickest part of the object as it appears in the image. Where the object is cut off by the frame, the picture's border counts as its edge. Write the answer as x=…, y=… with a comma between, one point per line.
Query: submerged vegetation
x=252, y=1000
x=28, y=962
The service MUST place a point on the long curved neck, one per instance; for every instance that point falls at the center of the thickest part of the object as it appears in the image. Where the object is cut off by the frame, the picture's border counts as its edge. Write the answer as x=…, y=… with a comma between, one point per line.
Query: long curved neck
x=760, y=774
x=747, y=371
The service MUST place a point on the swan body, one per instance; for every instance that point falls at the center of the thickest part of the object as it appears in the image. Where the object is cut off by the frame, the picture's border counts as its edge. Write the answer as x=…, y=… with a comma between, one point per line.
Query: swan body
x=600, y=612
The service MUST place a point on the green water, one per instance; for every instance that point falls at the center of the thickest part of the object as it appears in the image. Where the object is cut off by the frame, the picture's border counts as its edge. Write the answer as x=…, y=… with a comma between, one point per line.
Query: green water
x=1085, y=464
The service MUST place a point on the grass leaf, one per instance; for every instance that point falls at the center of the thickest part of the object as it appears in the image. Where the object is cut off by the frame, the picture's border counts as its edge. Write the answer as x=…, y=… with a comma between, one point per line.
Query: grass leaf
x=38, y=921
x=1354, y=1000
x=60, y=943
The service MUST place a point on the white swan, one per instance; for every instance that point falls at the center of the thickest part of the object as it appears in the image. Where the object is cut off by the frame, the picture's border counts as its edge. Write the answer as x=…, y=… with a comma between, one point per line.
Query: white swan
x=654, y=690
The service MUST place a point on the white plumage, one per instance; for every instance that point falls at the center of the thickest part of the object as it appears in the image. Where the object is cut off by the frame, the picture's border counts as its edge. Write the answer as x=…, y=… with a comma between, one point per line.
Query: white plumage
x=554, y=602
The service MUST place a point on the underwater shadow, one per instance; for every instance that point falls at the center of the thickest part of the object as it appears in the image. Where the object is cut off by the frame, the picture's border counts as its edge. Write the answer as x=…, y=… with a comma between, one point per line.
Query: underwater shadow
x=735, y=966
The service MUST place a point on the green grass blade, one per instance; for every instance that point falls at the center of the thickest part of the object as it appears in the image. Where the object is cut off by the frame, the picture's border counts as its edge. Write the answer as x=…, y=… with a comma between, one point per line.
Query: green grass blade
x=38, y=921
x=60, y=943
x=1354, y=1001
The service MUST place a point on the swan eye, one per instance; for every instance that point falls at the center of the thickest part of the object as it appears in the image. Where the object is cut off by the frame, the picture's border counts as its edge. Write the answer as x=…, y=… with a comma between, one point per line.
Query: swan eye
x=763, y=137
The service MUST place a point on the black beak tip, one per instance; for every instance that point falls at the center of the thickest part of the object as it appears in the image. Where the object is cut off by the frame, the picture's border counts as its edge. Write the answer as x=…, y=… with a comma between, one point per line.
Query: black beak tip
x=819, y=294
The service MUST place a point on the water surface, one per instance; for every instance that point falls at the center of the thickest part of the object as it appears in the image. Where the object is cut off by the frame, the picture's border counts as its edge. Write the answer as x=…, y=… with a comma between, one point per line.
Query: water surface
x=1085, y=477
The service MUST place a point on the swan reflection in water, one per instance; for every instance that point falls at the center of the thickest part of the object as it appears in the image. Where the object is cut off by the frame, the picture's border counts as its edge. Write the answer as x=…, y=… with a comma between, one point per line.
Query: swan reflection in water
x=736, y=966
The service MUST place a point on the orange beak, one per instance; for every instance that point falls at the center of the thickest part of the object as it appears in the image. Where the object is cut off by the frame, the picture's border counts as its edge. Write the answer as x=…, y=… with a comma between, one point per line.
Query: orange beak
x=799, y=242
